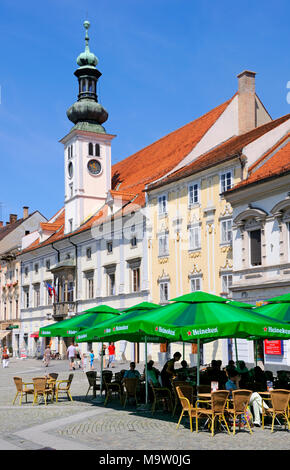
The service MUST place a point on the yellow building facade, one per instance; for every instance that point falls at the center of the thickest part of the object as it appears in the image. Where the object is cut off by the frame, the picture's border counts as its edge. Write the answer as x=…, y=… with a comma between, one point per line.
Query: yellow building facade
x=190, y=247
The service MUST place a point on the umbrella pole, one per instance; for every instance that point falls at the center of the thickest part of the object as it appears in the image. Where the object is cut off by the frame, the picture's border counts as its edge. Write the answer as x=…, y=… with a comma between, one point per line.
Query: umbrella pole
x=101, y=381
x=256, y=348
x=146, y=381
x=236, y=348
x=198, y=361
x=183, y=350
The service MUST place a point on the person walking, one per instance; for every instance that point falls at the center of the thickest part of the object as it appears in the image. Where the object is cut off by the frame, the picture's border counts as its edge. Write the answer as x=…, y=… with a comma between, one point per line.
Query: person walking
x=71, y=355
x=47, y=356
x=111, y=350
x=92, y=357
x=5, y=357
x=78, y=356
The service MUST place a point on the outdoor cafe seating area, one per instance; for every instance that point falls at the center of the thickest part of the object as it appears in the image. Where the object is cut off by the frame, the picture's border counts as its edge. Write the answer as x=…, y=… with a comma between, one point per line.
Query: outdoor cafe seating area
x=203, y=393
x=45, y=387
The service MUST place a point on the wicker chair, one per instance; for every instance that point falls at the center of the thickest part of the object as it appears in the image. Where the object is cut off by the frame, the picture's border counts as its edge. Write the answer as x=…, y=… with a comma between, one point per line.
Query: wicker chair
x=240, y=403
x=176, y=400
x=92, y=379
x=63, y=386
x=22, y=389
x=131, y=386
x=218, y=403
x=41, y=389
x=280, y=407
x=161, y=394
x=111, y=387
x=186, y=396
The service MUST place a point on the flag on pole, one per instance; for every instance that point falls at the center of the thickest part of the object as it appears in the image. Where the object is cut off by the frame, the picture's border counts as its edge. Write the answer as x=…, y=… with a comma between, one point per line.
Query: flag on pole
x=51, y=290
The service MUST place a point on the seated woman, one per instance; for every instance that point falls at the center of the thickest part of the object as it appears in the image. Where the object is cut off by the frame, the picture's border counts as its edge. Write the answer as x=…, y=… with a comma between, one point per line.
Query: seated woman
x=255, y=401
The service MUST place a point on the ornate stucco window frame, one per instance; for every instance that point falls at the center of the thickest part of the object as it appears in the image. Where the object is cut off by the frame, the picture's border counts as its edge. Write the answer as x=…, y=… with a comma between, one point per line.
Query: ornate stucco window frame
x=247, y=221
x=281, y=212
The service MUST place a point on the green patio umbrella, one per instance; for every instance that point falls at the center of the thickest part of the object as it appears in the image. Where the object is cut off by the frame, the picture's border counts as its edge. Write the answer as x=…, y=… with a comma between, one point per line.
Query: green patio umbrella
x=89, y=318
x=279, y=311
x=241, y=305
x=285, y=298
x=108, y=326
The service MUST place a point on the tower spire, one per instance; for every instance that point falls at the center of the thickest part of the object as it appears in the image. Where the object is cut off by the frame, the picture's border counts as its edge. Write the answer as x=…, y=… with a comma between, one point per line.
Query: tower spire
x=87, y=113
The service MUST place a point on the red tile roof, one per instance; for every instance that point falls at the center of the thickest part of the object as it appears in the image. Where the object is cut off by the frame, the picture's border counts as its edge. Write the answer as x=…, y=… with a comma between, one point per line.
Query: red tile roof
x=276, y=165
x=130, y=175
x=219, y=154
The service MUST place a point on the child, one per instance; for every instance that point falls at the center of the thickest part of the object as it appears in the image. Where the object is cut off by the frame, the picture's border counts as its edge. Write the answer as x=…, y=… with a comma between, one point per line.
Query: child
x=92, y=357
x=84, y=362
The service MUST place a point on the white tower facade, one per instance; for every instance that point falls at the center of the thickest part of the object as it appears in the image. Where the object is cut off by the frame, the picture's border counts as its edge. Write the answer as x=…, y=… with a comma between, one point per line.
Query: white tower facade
x=87, y=175
x=87, y=147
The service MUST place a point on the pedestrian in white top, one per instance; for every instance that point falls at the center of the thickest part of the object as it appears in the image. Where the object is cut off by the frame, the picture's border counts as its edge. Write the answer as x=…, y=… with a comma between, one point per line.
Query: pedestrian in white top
x=71, y=354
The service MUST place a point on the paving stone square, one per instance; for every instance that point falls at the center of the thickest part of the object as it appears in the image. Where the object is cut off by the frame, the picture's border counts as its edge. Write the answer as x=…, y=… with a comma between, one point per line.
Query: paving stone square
x=85, y=424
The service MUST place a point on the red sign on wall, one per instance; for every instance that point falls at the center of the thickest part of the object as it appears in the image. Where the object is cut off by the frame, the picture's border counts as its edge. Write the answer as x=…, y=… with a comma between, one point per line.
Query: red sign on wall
x=273, y=347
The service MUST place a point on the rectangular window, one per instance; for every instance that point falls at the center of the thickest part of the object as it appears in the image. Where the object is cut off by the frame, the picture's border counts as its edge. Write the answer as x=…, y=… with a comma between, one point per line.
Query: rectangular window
x=135, y=279
x=90, y=288
x=227, y=280
x=195, y=284
x=89, y=253
x=226, y=231
x=26, y=298
x=255, y=247
x=226, y=181
x=36, y=268
x=194, y=238
x=163, y=245
x=48, y=264
x=70, y=225
x=110, y=247
x=162, y=204
x=111, y=289
x=164, y=292
x=193, y=194
x=26, y=272
x=36, y=297
x=70, y=291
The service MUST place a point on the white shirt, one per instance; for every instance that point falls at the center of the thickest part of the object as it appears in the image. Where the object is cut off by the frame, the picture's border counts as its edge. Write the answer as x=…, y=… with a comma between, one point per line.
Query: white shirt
x=71, y=351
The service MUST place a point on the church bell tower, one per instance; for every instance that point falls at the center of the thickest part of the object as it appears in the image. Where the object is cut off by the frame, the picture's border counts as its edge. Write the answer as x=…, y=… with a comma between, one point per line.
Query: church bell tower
x=87, y=147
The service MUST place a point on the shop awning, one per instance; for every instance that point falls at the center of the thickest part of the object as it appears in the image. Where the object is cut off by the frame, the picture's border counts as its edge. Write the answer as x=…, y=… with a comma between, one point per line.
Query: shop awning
x=4, y=333
x=34, y=335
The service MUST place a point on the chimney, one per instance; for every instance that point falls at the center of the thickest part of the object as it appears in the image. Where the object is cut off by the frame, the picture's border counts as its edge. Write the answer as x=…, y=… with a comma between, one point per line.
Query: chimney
x=25, y=212
x=247, y=101
x=12, y=218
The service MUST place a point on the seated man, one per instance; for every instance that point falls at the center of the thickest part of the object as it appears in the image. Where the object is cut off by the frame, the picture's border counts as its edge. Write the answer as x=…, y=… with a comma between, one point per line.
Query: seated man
x=255, y=401
x=132, y=373
x=183, y=372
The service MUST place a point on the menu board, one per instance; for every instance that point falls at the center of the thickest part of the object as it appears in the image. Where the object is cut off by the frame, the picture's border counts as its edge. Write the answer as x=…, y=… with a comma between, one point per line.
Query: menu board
x=273, y=347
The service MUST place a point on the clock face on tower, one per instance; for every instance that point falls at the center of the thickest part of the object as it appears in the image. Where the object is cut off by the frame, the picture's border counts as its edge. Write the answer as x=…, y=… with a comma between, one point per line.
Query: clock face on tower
x=94, y=167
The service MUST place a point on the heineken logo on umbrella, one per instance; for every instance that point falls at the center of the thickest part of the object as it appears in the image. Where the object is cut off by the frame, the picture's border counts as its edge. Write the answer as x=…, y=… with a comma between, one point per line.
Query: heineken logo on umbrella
x=82, y=336
x=205, y=332
x=108, y=330
x=165, y=331
x=46, y=332
x=189, y=333
x=265, y=329
x=71, y=332
x=120, y=328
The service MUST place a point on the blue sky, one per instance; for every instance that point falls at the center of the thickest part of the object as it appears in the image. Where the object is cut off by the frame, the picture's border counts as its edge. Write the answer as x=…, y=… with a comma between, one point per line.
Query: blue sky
x=164, y=63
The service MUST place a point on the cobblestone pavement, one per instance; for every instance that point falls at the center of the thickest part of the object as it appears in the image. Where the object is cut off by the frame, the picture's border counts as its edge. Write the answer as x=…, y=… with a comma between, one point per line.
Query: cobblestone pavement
x=87, y=424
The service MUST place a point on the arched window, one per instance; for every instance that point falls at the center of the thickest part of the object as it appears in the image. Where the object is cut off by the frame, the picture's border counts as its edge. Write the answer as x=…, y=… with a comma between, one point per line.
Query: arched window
x=97, y=150
x=84, y=85
x=68, y=152
x=71, y=151
x=90, y=87
x=91, y=149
